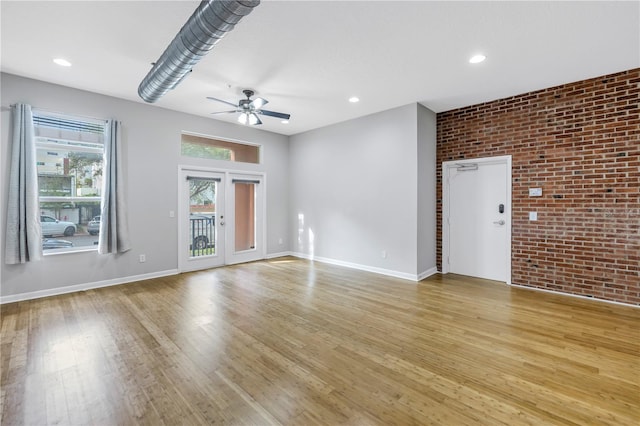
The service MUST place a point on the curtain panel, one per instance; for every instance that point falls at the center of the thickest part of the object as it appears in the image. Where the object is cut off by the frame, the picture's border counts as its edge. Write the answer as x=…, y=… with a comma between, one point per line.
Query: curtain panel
x=114, y=228
x=23, y=239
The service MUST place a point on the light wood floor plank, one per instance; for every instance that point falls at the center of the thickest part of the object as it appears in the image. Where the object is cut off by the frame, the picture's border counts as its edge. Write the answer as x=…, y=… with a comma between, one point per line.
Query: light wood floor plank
x=292, y=342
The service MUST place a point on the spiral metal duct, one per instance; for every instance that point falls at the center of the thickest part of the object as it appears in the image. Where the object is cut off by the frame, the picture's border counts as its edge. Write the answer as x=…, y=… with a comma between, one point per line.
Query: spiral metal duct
x=203, y=30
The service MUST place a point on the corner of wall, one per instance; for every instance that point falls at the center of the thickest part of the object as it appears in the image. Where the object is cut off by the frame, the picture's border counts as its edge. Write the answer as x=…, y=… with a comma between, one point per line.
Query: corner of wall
x=426, y=146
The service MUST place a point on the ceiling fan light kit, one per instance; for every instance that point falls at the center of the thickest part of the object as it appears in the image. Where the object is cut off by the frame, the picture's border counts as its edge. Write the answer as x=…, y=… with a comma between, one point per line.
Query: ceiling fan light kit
x=249, y=118
x=202, y=31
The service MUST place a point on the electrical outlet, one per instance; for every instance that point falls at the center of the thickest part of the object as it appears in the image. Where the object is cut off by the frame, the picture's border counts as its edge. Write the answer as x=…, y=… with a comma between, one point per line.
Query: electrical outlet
x=280, y=241
x=172, y=213
x=143, y=258
x=384, y=254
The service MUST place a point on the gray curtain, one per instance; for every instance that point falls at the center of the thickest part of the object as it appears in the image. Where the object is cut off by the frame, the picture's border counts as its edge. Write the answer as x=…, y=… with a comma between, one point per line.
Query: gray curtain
x=23, y=233
x=114, y=229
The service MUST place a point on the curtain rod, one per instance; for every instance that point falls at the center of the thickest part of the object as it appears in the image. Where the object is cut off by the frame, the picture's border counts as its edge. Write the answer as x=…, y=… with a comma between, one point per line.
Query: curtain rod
x=48, y=111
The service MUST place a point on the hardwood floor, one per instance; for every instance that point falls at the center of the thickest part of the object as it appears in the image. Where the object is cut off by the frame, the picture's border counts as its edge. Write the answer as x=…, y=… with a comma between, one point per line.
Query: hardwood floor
x=288, y=341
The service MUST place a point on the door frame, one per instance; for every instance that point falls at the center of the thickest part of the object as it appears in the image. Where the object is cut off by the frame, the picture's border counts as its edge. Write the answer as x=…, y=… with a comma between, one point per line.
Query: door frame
x=262, y=250
x=187, y=264
x=446, y=166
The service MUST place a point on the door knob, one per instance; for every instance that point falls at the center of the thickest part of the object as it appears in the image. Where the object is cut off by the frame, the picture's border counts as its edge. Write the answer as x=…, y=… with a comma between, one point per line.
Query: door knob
x=500, y=222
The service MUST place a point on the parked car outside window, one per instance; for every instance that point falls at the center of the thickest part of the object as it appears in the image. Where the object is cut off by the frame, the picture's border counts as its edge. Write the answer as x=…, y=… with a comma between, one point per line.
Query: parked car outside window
x=93, y=227
x=52, y=226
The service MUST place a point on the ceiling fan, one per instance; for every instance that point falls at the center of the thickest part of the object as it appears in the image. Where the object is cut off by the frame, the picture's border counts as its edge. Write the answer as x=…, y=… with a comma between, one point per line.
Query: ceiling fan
x=249, y=109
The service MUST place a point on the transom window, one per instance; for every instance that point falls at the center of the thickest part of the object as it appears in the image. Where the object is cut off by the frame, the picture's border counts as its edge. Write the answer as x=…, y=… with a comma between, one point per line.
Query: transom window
x=216, y=149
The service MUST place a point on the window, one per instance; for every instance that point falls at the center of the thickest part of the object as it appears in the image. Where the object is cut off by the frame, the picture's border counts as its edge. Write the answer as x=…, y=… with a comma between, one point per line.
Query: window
x=69, y=154
x=216, y=149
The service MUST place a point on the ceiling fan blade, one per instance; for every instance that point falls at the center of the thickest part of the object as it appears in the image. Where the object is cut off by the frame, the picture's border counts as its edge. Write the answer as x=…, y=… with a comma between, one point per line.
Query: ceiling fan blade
x=274, y=114
x=259, y=103
x=254, y=120
x=223, y=112
x=224, y=102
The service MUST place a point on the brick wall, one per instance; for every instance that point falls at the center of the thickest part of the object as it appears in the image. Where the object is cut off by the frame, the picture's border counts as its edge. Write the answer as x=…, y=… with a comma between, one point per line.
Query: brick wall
x=580, y=143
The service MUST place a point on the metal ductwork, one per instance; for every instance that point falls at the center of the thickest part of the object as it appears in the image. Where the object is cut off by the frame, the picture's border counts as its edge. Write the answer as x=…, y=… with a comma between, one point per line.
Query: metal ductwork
x=204, y=29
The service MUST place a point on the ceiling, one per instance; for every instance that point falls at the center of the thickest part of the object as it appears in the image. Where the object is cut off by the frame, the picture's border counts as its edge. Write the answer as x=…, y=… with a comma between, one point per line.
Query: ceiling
x=308, y=57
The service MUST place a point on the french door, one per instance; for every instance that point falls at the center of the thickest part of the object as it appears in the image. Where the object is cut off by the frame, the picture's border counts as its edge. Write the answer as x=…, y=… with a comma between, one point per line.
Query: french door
x=477, y=218
x=221, y=218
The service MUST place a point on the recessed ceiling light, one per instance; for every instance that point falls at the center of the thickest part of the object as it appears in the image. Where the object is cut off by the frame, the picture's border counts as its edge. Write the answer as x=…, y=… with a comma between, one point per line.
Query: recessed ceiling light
x=354, y=99
x=62, y=62
x=285, y=121
x=476, y=59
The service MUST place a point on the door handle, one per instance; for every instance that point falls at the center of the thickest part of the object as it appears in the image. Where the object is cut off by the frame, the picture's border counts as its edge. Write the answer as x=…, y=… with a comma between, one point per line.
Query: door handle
x=499, y=222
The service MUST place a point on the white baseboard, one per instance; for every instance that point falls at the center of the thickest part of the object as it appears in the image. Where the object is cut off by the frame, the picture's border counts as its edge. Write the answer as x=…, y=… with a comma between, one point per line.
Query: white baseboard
x=427, y=273
x=117, y=281
x=375, y=270
x=281, y=254
x=83, y=287
x=579, y=296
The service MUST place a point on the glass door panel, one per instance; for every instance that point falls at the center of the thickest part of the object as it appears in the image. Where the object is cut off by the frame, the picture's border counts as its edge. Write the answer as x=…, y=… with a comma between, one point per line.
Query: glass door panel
x=245, y=231
x=245, y=216
x=202, y=216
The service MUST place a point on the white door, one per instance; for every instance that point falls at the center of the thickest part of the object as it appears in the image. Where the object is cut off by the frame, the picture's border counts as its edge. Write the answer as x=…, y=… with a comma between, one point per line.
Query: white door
x=221, y=218
x=244, y=223
x=201, y=229
x=477, y=218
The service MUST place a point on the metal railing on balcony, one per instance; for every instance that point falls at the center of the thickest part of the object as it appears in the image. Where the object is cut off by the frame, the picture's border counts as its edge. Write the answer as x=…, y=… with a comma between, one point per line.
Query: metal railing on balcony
x=203, y=236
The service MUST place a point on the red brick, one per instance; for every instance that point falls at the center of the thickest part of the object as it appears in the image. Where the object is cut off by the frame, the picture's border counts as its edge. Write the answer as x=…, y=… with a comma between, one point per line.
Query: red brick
x=580, y=141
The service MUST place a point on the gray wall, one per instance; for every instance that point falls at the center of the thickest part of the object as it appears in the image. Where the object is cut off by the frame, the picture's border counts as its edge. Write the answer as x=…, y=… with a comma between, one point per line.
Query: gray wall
x=354, y=191
x=151, y=142
x=343, y=193
x=426, y=189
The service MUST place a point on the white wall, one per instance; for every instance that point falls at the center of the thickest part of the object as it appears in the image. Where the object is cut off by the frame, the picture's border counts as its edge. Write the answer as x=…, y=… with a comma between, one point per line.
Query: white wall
x=354, y=191
x=151, y=142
